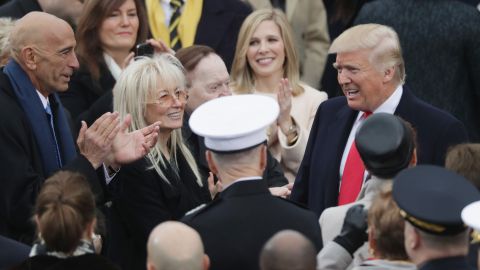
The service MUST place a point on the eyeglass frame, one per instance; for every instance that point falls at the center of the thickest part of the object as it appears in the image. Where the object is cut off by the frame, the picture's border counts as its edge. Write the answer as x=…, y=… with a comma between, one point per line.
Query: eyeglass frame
x=173, y=97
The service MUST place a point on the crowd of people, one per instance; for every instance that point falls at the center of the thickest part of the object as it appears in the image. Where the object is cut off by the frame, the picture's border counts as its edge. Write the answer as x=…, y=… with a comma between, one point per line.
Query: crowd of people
x=208, y=134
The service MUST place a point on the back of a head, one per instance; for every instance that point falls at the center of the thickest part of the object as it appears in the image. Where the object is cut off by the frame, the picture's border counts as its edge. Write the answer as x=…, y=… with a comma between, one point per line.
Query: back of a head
x=387, y=225
x=288, y=250
x=386, y=144
x=64, y=208
x=382, y=40
x=173, y=245
x=464, y=159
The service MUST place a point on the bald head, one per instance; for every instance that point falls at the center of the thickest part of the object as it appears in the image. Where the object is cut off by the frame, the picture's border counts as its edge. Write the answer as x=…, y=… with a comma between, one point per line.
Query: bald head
x=174, y=245
x=43, y=45
x=288, y=249
x=37, y=28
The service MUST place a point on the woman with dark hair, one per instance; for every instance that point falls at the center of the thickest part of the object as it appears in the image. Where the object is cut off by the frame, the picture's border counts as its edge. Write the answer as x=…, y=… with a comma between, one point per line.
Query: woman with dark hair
x=107, y=33
x=65, y=219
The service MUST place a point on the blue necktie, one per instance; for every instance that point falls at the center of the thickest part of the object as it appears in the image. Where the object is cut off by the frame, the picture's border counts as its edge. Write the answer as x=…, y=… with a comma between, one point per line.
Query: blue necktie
x=48, y=110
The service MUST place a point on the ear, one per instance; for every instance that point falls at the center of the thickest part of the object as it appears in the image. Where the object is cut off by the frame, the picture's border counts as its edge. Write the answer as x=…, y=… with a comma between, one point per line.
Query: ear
x=37, y=222
x=388, y=74
x=90, y=229
x=263, y=157
x=211, y=163
x=372, y=243
x=413, y=161
x=150, y=266
x=29, y=57
x=206, y=262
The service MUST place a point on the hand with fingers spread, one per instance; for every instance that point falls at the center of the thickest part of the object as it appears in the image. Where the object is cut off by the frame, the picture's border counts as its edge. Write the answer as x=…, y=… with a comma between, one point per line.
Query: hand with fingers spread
x=284, y=120
x=95, y=142
x=130, y=146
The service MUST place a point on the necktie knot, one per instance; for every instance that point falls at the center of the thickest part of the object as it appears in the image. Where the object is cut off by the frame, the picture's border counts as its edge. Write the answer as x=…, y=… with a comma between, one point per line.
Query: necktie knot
x=366, y=114
x=175, y=4
x=48, y=109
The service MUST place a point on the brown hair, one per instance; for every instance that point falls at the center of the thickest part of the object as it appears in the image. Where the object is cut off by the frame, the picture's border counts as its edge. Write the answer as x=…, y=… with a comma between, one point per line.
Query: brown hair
x=192, y=55
x=89, y=48
x=242, y=74
x=464, y=159
x=387, y=224
x=64, y=208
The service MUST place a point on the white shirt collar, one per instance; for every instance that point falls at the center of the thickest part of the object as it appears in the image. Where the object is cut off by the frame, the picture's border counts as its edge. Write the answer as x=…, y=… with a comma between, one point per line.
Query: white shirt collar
x=242, y=180
x=112, y=66
x=43, y=99
x=391, y=104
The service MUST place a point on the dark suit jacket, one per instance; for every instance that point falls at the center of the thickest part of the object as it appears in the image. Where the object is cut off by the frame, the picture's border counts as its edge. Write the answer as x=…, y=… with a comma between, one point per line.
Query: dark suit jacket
x=22, y=169
x=273, y=172
x=219, y=26
x=18, y=8
x=83, y=91
x=317, y=181
x=457, y=263
x=87, y=261
x=235, y=226
x=12, y=252
x=143, y=200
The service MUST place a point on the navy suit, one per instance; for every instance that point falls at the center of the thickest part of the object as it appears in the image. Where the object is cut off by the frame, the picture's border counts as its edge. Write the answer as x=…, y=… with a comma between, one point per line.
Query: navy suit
x=317, y=181
x=236, y=225
x=18, y=8
x=457, y=263
x=12, y=252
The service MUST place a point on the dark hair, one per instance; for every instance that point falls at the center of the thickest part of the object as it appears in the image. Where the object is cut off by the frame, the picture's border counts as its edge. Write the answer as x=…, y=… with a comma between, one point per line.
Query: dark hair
x=464, y=159
x=94, y=12
x=64, y=207
x=388, y=225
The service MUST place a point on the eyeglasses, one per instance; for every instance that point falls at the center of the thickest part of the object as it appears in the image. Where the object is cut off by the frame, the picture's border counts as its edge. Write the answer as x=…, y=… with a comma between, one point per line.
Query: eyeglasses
x=165, y=99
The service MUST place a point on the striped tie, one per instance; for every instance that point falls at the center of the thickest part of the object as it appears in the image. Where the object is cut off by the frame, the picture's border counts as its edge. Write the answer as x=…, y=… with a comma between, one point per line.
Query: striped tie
x=175, y=42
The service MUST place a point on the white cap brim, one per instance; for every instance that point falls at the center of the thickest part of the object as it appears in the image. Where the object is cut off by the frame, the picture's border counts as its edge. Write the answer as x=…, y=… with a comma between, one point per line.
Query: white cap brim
x=234, y=123
x=471, y=215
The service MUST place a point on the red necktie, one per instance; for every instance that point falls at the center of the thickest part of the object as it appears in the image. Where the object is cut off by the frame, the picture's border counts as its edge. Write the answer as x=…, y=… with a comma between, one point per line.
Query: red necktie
x=353, y=172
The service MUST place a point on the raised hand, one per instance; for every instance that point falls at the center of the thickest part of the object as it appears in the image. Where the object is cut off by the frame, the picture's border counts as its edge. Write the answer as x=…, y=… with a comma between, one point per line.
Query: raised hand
x=130, y=146
x=96, y=141
x=284, y=97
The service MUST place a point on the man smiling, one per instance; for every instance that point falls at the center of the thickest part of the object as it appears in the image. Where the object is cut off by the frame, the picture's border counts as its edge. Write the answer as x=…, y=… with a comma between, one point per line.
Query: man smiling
x=371, y=74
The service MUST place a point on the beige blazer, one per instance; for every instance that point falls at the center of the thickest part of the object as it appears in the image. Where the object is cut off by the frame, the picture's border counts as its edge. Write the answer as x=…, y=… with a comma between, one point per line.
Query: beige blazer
x=308, y=19
x=304, y=108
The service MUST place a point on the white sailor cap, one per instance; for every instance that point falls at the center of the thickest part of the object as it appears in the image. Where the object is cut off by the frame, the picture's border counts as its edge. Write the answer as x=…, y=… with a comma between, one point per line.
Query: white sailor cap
x=234, y=123
x=471, y=215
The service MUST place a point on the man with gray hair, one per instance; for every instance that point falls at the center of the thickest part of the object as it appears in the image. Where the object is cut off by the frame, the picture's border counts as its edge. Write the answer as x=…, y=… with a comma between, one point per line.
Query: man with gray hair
x=288, y=250
x=371, y=74
x=173, y=245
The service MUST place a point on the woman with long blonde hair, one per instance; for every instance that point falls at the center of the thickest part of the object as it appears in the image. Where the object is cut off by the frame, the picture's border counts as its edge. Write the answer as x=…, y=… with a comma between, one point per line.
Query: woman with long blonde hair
x=266, y=63
x=166, y=183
